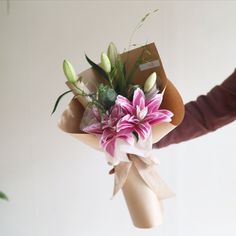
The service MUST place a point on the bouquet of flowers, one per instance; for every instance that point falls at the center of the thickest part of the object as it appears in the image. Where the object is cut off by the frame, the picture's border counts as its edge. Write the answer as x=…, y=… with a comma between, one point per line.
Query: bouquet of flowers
x=121, y=106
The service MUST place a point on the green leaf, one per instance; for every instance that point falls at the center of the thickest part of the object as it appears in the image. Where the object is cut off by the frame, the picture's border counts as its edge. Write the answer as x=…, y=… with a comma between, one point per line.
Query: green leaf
x=58, y=100
x=97, y=68
x=121, y=77
x=113, y=72
x=135, y=66
x=124, y=70
x=3, y=196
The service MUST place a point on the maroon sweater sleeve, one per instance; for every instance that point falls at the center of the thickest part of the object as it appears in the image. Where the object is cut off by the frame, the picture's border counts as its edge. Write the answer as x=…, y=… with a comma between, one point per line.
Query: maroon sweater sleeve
x=208, y=113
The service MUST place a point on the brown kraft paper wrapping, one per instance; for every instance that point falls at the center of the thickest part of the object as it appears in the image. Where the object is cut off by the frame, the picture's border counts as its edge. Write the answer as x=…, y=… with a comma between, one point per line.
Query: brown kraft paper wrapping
x=143, y=189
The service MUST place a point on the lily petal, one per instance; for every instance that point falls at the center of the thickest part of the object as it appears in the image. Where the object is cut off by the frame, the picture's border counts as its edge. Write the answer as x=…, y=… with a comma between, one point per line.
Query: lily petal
x=125, y=123
x=109, y=146
x=154, y=103
x=143, y=130
x=139, y=98
x=125, y=104
x=159, y=117
x=95, y=128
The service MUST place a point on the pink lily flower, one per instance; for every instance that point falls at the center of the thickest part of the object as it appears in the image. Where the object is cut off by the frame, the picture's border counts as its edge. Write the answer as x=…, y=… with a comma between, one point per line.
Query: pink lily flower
x=126, y=117
x=144, y=112
x=113, y=126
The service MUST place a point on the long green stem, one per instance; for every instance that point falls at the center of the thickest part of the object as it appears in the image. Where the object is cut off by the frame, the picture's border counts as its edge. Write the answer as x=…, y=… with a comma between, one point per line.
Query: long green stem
x=139, y=25
x=81, y=92
x=110, y=80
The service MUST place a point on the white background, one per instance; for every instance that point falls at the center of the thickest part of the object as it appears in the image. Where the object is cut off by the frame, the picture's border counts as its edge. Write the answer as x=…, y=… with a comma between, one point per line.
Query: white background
x=58, y=186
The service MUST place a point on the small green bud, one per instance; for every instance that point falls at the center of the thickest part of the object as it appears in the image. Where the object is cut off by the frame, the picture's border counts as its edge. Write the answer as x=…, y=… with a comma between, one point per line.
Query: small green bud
x=69, y=71
x=150, y=82
x=112, y=53
x=105, y=63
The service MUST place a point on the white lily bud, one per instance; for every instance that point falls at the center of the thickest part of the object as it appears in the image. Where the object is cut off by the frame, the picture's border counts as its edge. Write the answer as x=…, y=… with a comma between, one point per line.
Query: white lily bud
x=150, y=82
x=105, y=63
x=112, y=53
x=69, y=71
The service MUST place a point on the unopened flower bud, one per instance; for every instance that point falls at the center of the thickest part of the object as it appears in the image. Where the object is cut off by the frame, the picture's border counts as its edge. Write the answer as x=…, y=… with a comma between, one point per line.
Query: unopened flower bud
x=69, y=71
x=150, y=82
x=112, y=53
x=105, y=63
